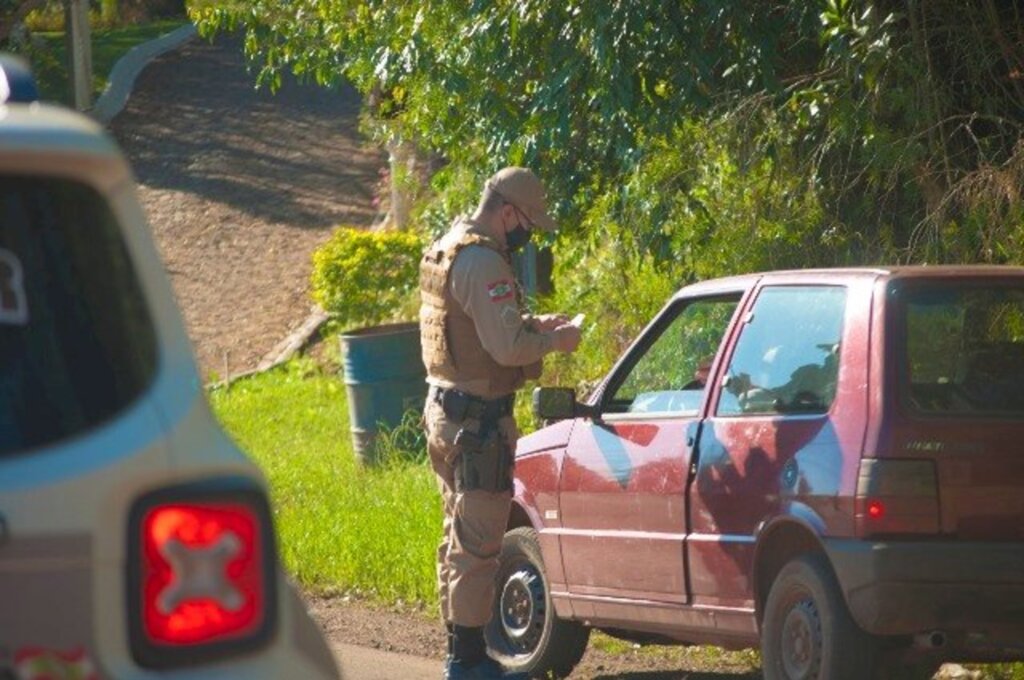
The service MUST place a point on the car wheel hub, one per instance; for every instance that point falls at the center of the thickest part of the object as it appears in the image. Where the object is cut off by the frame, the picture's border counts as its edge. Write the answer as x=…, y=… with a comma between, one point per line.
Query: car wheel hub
x=801, y=640
x=522, y=609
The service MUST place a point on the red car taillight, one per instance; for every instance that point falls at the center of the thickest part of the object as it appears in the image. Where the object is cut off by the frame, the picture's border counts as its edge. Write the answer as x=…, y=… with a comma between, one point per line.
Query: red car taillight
x=201, y=573
x=896, y=497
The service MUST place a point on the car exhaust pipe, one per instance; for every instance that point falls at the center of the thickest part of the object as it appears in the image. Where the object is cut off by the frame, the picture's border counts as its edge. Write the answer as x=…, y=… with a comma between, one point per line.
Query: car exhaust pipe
x=933, y=640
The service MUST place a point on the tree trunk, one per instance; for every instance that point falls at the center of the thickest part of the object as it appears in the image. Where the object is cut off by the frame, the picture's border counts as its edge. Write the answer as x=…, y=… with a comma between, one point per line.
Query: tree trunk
x=402, y=158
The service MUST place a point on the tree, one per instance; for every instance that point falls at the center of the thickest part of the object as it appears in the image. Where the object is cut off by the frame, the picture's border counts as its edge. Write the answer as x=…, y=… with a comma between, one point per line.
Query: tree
x=902, y=118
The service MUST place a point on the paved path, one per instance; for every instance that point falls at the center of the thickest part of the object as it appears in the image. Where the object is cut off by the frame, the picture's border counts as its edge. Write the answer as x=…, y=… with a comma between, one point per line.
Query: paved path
x=363, y=663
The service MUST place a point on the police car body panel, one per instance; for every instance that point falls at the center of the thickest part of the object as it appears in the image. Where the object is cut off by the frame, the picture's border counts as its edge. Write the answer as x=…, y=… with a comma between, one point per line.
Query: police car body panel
x=110, y=459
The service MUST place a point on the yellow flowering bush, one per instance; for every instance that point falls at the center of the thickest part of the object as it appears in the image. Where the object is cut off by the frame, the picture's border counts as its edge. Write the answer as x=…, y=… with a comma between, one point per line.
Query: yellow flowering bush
x=367, y=277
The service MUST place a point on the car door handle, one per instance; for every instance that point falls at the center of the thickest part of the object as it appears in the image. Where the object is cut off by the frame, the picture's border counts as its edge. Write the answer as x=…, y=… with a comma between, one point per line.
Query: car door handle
x=691, y=433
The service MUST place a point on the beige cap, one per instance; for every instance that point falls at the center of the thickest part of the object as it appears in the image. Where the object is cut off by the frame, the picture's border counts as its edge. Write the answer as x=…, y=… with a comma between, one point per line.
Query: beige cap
x=522, y=188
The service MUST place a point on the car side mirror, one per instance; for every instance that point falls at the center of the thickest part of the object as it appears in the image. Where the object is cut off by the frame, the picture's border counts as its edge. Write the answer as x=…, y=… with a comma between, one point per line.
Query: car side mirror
x=557, y=403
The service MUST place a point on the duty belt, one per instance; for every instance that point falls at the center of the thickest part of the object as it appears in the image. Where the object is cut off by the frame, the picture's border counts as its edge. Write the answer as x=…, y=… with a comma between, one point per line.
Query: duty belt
x=459, y=405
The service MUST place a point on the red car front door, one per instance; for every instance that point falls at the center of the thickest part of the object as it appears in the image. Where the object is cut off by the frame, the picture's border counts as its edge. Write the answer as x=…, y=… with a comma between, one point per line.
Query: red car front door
x=624, y=480
x=623, y=507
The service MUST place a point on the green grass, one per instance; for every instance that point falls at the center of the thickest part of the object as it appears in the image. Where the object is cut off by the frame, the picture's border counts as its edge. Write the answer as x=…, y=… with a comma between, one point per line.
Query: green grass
x=1001, y=671
x=49, y=57
x=342, y=527
x=704, y=657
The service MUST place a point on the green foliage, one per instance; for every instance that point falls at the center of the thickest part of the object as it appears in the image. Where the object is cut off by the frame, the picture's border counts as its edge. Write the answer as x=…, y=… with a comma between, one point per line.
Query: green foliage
x=618, y=292
x=49, y=18
x=47, y=52
x=341, y=526
x=366, y=277
x=103, y=14
x=898, y=123
x=1001, y=671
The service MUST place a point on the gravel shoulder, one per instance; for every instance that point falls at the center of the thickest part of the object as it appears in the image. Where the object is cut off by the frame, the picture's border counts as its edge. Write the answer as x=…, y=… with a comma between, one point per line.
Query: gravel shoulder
x=413, y=632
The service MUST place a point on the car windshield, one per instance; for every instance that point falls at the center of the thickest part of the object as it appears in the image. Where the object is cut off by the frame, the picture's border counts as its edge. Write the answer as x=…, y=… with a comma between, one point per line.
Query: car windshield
x=965, y=349
x=76, y=339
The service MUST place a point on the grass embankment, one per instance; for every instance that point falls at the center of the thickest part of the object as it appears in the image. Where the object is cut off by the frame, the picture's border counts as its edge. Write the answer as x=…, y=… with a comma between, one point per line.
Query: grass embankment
x=108, y=45
x=341, y=526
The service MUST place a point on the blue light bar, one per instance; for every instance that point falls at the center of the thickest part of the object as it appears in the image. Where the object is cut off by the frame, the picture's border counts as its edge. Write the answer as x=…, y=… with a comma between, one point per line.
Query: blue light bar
x=16, y=81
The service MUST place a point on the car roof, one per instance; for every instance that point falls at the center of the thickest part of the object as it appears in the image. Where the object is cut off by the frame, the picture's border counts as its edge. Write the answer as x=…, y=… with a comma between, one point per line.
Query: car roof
x=47, y=128
x=743, y=281
x=51, y=141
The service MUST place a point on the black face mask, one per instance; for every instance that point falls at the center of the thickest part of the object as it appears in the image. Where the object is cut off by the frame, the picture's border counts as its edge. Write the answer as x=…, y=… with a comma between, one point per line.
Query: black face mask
x=517, y=238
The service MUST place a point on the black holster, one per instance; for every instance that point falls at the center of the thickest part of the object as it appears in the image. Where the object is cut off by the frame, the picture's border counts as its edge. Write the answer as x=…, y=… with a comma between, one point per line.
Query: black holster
x=485, y=458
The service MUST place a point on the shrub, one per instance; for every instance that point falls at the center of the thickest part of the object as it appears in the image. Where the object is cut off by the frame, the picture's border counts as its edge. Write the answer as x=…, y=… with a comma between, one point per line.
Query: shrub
x=363, y=277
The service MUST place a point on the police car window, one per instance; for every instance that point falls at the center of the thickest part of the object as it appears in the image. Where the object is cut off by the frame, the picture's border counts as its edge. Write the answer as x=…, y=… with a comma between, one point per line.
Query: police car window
x=76, y=340
x=787, y=356
x=672, y=373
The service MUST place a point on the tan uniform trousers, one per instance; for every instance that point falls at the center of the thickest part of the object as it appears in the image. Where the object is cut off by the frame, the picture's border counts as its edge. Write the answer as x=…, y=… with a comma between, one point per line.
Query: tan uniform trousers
x=474, y=525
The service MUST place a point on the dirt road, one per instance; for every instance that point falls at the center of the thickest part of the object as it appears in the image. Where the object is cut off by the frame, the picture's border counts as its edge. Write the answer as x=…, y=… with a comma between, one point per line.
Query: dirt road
x=240, y=187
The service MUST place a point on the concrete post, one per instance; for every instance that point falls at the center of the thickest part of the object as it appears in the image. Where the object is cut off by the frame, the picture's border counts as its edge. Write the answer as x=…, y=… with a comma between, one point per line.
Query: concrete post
x=79, y=47
x=402, y=159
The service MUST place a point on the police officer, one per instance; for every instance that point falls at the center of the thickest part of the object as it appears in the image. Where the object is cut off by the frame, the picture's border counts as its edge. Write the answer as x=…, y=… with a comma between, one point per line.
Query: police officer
x=479, y=348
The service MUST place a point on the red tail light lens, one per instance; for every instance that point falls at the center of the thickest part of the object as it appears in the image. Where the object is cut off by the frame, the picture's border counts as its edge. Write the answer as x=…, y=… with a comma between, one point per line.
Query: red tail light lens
x=876, y=509
x=202, y=572
x=203, y=576
x=896, y=497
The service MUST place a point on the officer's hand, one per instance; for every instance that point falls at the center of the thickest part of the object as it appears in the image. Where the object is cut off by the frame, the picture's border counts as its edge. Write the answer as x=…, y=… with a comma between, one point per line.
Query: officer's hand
x=565, y=338
x=545, y=323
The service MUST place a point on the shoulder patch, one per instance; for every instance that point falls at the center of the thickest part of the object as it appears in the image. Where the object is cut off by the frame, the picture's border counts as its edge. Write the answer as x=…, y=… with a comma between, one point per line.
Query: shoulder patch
x=501, y=290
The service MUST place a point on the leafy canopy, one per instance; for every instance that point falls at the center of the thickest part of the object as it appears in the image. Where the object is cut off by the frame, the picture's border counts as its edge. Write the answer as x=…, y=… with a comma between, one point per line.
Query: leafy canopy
x=890, y=128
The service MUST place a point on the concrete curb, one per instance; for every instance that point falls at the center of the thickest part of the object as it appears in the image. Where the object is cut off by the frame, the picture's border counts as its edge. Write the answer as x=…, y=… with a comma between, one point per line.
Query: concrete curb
x=128, y=68
x=284, y=351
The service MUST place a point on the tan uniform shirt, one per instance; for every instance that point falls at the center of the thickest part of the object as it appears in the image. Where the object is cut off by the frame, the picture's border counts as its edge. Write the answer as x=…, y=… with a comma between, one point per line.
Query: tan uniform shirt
x=483, y=284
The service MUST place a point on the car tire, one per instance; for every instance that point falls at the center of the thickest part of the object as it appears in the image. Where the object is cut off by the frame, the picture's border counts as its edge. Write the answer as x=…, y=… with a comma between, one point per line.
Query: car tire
x=524, y=633
x=807, y=632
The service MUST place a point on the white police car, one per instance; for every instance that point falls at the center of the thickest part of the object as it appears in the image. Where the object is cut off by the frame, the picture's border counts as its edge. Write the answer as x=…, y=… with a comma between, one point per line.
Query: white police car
x=135, y=539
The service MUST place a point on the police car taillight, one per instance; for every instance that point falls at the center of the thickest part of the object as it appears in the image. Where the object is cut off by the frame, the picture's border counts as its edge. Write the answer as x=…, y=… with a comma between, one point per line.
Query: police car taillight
x=202, y=573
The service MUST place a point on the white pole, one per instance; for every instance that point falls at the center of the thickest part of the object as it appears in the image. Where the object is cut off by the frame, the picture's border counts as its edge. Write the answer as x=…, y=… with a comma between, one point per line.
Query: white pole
x=76, y=13
x=403, y=164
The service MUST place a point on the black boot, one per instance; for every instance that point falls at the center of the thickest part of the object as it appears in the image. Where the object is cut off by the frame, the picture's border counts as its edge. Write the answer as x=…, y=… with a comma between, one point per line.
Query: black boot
x=450, y=632
x=469, y=660
x=468, y=647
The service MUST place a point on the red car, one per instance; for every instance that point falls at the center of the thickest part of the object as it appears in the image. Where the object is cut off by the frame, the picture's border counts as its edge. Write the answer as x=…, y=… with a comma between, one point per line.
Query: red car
x=826, y=464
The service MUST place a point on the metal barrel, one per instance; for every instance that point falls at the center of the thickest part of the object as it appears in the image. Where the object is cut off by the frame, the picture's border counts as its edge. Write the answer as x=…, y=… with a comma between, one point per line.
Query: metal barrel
x=384, y=378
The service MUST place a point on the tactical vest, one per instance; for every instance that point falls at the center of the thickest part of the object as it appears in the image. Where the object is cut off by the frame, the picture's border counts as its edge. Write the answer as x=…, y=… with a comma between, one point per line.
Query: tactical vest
x=452, y=350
